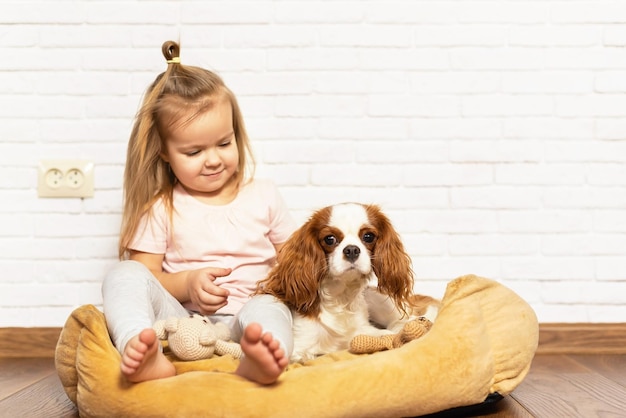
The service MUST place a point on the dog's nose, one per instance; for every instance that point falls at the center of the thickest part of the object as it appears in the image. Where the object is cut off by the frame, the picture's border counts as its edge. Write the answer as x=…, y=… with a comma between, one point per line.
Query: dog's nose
x=351, y=252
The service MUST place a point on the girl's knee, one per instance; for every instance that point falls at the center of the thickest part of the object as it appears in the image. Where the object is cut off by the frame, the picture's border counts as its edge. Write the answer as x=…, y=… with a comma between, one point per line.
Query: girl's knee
x=123, y=271
x=266, y=302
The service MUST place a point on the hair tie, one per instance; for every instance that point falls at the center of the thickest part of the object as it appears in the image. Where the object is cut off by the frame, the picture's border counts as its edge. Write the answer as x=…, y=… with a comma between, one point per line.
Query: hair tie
x=175, y=60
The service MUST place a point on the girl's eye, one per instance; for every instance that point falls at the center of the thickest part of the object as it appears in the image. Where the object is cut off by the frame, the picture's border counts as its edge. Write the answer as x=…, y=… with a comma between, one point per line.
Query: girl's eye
x=192, y=153
x=330, y=240
x=368, y=237
x=225, y=144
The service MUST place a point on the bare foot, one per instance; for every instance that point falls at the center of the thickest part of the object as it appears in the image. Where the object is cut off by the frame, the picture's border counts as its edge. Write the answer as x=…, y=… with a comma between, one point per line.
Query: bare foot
x=142, y=360
x=263, y=359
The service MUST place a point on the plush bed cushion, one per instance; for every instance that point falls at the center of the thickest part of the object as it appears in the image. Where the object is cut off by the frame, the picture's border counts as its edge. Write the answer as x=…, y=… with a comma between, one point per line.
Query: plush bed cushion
x=482, y=342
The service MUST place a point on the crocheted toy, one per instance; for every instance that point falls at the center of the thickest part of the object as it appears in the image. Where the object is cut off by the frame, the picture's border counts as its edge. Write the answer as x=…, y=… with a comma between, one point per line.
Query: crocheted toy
x=412, y=330
x=196, y=338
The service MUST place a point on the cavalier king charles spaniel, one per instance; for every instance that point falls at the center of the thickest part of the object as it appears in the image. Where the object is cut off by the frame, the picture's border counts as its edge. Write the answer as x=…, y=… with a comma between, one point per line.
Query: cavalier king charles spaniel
x=340, y=273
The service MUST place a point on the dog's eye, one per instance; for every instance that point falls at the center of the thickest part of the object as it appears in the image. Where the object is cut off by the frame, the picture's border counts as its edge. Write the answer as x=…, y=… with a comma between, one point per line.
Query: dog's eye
x=330, y=240
x=368, y=237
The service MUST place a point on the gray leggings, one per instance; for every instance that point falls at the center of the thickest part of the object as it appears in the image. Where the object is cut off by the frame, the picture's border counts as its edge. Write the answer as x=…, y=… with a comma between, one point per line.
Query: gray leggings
x=134, y=299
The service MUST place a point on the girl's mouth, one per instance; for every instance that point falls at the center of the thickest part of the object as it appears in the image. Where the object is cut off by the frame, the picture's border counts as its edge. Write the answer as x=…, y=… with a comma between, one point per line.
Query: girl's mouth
x=212, y=175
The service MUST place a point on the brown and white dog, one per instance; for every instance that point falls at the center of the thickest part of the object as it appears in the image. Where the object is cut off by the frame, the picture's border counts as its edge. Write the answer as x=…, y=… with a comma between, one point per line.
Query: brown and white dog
x=342, y=270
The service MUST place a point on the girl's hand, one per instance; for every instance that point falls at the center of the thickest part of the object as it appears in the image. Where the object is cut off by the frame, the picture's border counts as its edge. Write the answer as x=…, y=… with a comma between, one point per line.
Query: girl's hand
x=204, y=293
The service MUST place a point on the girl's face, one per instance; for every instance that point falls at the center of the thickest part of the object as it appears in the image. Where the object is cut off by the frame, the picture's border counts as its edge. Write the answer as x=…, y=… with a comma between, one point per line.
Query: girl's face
x=203, y=154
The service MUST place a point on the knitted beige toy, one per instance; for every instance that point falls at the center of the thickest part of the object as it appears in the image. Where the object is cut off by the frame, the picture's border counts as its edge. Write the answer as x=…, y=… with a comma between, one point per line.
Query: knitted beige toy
x=195, y=337
x=412, y=330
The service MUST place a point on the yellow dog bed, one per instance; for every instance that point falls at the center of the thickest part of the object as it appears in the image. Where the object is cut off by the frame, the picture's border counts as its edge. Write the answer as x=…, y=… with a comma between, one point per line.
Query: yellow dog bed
x=482, y=343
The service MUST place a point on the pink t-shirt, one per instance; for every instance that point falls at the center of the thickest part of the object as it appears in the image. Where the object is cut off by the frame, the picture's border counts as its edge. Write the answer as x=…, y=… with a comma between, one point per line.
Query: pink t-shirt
x=240, y=235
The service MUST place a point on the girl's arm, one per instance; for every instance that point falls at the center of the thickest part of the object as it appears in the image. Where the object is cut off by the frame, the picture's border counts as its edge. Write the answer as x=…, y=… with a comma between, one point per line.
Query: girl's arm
x=175, y=283
x=196, y=286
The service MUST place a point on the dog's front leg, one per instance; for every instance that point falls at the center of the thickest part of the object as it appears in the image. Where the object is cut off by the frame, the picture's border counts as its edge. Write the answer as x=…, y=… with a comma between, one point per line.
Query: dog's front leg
x=383, y=311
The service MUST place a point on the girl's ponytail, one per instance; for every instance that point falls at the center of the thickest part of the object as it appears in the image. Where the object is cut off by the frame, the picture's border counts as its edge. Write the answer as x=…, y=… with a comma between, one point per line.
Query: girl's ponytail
x=171, y=52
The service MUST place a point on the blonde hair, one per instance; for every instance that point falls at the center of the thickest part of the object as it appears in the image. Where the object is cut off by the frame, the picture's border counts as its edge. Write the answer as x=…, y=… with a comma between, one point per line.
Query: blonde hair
x=147, y=177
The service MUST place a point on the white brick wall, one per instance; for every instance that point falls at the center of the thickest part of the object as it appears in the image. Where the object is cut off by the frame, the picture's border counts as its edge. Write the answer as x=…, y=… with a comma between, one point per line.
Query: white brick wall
x=492, y=132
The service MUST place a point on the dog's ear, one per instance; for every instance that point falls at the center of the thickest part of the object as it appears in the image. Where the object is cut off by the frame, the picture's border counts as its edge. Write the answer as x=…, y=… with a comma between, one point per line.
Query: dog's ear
x=301, y=266
x=391, y=263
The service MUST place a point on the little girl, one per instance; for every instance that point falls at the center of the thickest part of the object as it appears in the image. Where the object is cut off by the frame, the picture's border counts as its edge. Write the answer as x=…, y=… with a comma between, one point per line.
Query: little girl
x=197, y=232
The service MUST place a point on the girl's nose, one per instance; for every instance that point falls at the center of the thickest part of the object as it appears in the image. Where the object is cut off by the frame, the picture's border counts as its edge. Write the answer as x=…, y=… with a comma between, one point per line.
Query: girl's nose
x=211, y=158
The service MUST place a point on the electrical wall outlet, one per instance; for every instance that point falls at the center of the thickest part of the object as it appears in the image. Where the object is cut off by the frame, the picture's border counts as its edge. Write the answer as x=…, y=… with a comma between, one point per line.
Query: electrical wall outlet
x=65, y=178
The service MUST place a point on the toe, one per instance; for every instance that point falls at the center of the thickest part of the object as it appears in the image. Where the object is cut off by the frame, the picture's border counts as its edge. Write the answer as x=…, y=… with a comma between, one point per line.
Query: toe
x=253, y=333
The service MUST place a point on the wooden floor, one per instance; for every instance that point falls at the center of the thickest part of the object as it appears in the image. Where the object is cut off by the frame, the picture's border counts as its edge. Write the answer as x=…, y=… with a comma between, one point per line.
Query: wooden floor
x=579, y=371
x=558, y=385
